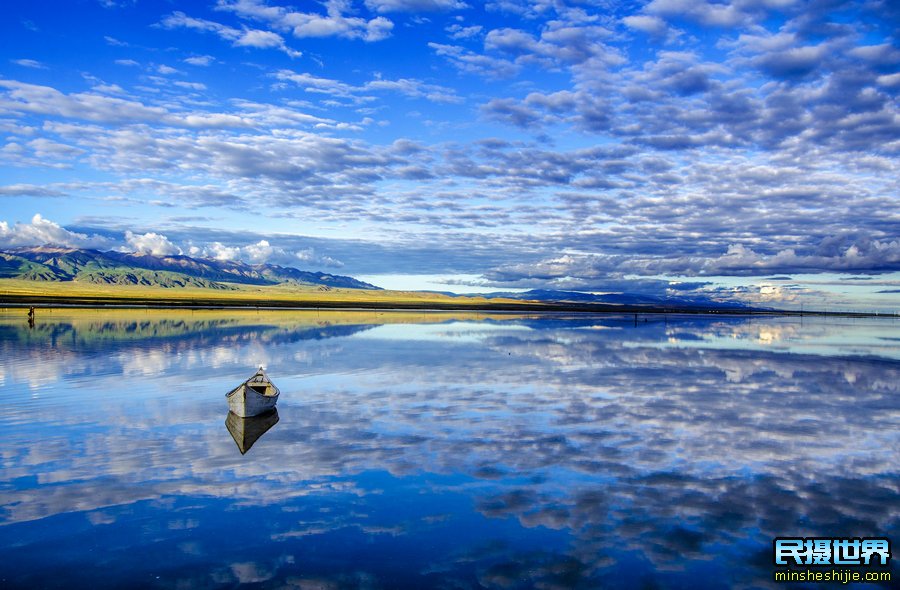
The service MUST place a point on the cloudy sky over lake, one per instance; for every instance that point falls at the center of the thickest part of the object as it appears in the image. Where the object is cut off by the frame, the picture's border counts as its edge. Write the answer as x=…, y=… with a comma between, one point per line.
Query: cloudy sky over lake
x=742, y=148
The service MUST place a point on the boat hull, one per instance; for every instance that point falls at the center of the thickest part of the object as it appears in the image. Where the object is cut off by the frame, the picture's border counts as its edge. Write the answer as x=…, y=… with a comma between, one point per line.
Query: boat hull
x=245, y=402
x=246, y=431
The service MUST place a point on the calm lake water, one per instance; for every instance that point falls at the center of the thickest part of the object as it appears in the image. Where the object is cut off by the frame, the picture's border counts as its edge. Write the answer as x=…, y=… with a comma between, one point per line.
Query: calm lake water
x=435, y=450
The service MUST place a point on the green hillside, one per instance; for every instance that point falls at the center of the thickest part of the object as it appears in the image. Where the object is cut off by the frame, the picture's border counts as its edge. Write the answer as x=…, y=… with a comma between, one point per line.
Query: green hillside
x=147, y=278
x=50, y=263
x=16, y=267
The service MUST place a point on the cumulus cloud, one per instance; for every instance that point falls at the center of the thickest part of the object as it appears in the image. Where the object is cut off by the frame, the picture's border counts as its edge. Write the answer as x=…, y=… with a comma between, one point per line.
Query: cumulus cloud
x=41, y=231
x=334, y=23
x=258, y=252
x=44, y=100
x=166, y=70
x=793, y=62
x=889, y=80
x=310, y=256
x=414, y=5
x=573, y=39
x=263, y=252
x=837, y=254
x=834, y=255
x=471, y=62
x=739, y=157
x=409, y=87
x=583, y=110
x=218, y=251
x=678, y=101
x=245, y=37
x=569, y=44
x=151, y=243
x=31, y=99
x=190, y=85
x=457, y=31
x=652, y=25
x=197, y=195
x=47, y=149
x=727, y=14
x=261, y=39
x=30, y=190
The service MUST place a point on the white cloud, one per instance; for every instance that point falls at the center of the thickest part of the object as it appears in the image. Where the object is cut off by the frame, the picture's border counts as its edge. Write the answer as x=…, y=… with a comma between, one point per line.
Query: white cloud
x=560, y=44
x=109, y=89
x=43, y=231
x=258, y=252
x=259, y=39
x=166, y=70
x=127, y=62
x=414, y=5
x=474, y=63
x=652, y=25
x=313, y=83
x=575, y=271
x=883, y=54
x=457, y=31
x=263, y=252
x=47, y=149
x=190, y=85
x=31, y=190
x=115, y=42
x=378, y=29
x=708, y=13
x=334, y=23
x=29, y=63
x=889, y=80
x=116, y=3
x=219, y=251
x=43, y=100
x=151, y=243
x=245, y=37
x=408, y=87
x=87, y=106
x=200, y=60
x=862, y=256
x=309, y=256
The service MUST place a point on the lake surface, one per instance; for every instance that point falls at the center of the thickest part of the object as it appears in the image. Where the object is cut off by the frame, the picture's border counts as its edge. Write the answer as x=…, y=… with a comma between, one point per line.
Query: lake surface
x=439, y=450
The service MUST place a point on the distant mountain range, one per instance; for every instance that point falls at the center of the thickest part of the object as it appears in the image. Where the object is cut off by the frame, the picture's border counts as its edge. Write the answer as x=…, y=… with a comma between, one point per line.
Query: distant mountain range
x=629, y=299
x=60, y=264
x=51, y=263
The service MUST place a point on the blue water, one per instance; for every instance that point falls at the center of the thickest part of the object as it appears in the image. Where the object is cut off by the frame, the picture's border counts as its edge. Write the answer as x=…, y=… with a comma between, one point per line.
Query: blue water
x=428, y=450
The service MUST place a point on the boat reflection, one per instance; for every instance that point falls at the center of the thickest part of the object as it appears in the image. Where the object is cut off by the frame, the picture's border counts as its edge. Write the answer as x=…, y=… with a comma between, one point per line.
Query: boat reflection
x=246, y=431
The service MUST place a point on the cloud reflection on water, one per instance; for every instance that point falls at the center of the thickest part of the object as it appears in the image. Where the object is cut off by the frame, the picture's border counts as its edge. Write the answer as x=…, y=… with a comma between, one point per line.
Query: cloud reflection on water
x=606, y=440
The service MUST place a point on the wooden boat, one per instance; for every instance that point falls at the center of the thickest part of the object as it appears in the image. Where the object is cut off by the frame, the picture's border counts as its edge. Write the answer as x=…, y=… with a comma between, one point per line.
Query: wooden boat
x=246, y=431
x=254, y=396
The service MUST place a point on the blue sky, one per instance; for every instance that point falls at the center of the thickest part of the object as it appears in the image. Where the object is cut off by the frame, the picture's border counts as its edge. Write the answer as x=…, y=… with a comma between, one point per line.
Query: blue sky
x=743, y=149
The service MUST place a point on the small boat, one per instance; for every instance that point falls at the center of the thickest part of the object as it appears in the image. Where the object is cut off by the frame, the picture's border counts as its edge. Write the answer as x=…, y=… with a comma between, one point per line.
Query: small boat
x=254, y=396
x=246, y=431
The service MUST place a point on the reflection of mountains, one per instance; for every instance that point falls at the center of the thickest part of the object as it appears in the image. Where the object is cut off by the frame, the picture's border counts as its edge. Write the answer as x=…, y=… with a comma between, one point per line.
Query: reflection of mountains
x=246, y=431
x=90, y=330
x=175, y=334
x=42, y=355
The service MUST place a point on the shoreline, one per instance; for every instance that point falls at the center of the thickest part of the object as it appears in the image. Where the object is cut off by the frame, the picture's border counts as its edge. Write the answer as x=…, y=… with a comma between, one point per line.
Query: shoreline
x=100, y=302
